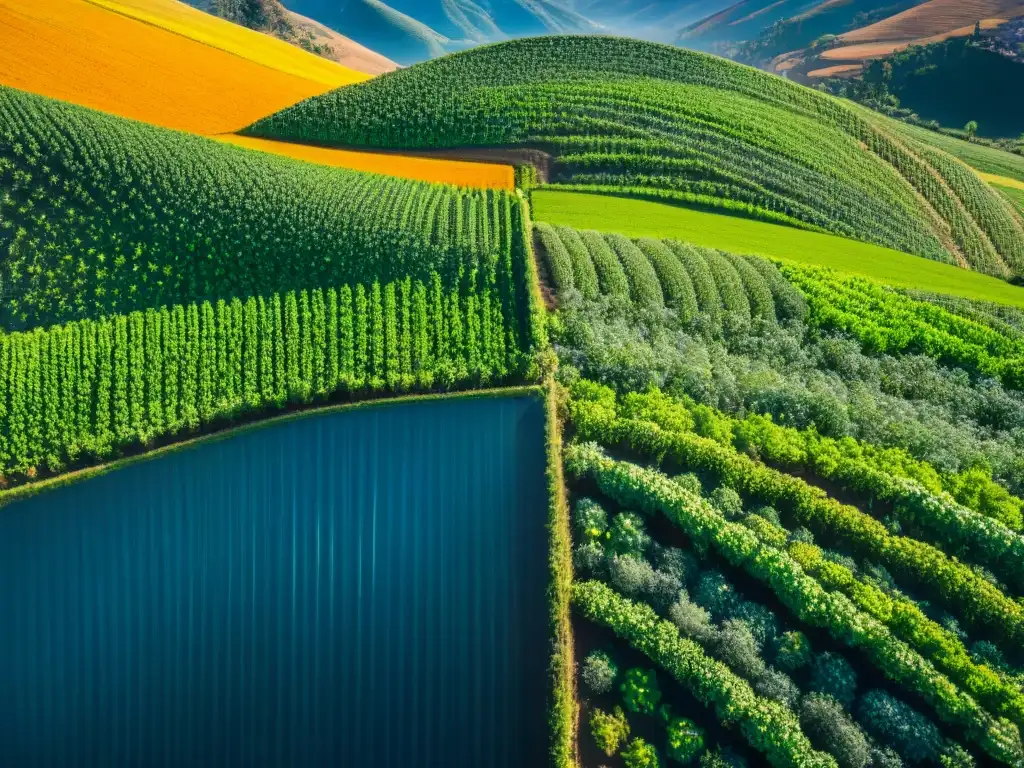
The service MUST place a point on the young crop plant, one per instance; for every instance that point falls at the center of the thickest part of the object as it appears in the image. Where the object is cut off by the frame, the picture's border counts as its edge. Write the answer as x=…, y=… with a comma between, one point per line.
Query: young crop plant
x=88, y=389
x=100, y=215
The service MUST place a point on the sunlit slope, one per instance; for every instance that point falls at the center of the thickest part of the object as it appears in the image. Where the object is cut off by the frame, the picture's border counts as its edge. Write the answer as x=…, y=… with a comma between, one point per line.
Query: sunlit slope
x=638, y=118
x=90, y=55
x=641, y=218
x=465, y=174
x=212, y=30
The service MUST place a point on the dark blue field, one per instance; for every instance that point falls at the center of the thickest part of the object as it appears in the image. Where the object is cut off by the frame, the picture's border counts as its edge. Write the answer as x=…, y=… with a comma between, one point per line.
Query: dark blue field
x=354, y=589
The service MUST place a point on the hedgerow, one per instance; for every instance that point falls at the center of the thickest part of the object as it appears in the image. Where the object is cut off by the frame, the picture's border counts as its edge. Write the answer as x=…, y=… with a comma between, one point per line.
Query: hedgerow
x=558, y=260
x=675, y=282
x=643, y=280
x=611, y=275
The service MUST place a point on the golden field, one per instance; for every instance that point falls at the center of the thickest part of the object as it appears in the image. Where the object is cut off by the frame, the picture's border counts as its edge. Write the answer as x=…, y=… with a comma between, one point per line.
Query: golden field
x=1002, y=181
x=91, y=55
x=458, y=172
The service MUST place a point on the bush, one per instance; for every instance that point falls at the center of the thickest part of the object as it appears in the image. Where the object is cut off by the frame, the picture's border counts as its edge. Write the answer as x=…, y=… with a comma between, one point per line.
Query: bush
x=831, y=729
x=630, y=575
x=717, y=595
x=599, y=672
x=792, y=651
x=609, y=731
x=678, y=562
x=903, y=728
x=627, y=535
x=640, y=690
x=778, y=686
x=663, y=590
x=727, y=501
x=956, y=756
x=735, y=645
x=770, y=514
x=833, y=675
x=691, y=620
x=723, y=757
x=589, y=558
x=591, y=520
x=761, y=621
x=640, y=754
x=885, y=758
x=685, y=740
x=689, y=482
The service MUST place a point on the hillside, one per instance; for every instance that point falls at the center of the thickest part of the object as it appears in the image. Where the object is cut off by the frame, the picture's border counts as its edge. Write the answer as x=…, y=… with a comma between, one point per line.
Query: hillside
x=272, y=18
x=147, y=216
x=678, y=126
x=157, y=60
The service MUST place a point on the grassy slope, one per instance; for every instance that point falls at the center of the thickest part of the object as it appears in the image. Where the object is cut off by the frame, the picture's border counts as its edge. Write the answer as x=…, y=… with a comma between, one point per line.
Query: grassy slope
x=172, y=66
x=638, y=218
x=1015, y=196
x=978, y=156
x=695, y=128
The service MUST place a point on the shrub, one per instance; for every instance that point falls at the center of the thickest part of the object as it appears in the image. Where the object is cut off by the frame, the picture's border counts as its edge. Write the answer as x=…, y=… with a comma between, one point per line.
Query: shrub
x=609, y=730
x=833, y=675
x=685, y=740
x=678, y=562
x=885, y=757
x=640, y=754
x=903, y=728
x=663, y=590
x=630, y=575
x=770, y=514
x=691, y=620
x=778, y=686
x=717, y=595
x=640, y=691
x=735, y=645
x=599, y=672
x=727, y=501
x=689, y=482
x=627, y=535
x=589, y=558
x=591, y=520
x=832, y=730
x=723, y=757
x=955, y=756
x=761, y=621
x=792, y=651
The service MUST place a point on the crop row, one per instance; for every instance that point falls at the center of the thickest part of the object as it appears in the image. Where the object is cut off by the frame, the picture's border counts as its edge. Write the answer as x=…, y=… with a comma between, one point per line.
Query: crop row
x=767, y=725
x=653, y=274
x=976, y=602
x=649, y=491
x=886, y=321
x=87, y=388
x=102, y=215
x=916, y=492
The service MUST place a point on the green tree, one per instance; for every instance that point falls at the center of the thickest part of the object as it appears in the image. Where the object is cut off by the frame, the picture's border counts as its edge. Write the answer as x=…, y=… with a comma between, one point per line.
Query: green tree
x=609, y=731
x=971, y=129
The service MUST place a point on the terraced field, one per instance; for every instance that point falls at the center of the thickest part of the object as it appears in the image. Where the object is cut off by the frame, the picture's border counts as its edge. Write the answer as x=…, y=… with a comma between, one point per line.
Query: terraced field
x=641, y=119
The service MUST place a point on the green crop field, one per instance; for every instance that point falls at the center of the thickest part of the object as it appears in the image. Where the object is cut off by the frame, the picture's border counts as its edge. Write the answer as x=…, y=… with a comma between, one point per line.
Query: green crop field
x=985, y=159
x=690, y=128
x=642, y=218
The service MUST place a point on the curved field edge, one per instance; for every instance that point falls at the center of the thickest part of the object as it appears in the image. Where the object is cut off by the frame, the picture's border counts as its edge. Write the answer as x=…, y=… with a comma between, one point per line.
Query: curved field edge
x=944, y=212
x=11, y=495
x=563, y=709
x=205, y=28
x=461, y=173
x=641, y=218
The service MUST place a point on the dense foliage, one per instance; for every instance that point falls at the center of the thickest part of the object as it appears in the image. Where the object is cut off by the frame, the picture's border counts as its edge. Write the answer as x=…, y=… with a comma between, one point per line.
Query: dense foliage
x=638, y=118
x=87, y=388
x=103, y=215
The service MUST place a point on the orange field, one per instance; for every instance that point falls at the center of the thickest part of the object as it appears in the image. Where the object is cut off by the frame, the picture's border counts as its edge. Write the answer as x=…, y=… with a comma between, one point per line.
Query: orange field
x=459, y=172
x=935, y=17
x=865, y=51
x=87, y=54
x=840, y=70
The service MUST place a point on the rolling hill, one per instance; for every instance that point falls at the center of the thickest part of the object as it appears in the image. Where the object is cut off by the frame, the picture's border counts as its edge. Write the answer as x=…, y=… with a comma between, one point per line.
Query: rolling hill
x=157, y=60
x=648, y=120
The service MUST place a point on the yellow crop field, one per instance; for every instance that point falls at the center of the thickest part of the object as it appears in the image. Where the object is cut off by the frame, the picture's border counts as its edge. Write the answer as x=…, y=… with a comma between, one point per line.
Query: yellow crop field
x=194, y=24
x=90, y=55
x=1002, y=181
x=458, y=172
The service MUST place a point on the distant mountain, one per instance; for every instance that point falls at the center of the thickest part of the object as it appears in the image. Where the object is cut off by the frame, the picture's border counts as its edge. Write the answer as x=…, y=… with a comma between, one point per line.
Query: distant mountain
x=271, y=17
x=409, y=31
